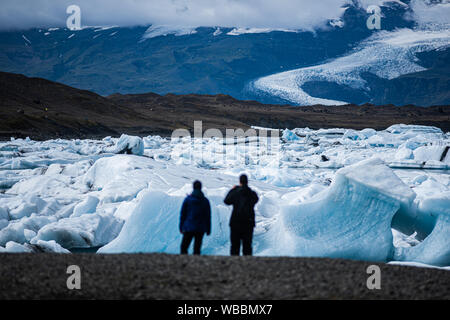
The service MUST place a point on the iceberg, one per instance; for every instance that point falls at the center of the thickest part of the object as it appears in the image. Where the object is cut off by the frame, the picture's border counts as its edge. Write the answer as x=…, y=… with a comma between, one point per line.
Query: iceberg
x=130, y=145
x=289, y=135
x=88, y=230
x=153, y=226
x=49, y=246
x=110, y=175
x=29, y=234
x=432, y=153
x=15, y=247
x=402, y=128
x=31, y=205
x=434, y=250
x=15, y=230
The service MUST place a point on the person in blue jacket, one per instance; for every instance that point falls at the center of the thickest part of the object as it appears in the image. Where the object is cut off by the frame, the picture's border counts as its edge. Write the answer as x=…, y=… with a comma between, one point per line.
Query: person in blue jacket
x=195, y=219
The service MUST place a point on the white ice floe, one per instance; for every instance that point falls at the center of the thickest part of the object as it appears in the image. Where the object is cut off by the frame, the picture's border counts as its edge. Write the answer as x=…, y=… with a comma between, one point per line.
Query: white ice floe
x=88, y=205
x=328, y=192
x=289, y=135
x=152, y=226
x=15, y=230
x=15, y=247
x=49, y=246
x=117, y=179
x=89, y=230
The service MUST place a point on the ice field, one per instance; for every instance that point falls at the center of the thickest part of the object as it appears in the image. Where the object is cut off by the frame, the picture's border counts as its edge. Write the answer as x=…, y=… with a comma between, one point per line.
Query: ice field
x=370, y=195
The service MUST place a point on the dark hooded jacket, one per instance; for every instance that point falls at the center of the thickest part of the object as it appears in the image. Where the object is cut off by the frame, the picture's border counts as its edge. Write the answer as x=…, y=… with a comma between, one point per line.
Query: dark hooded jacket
x=243, y=200
x=195, y=213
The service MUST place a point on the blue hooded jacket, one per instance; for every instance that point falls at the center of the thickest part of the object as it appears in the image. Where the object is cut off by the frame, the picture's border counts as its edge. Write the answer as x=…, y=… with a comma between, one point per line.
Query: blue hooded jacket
x=195, y=213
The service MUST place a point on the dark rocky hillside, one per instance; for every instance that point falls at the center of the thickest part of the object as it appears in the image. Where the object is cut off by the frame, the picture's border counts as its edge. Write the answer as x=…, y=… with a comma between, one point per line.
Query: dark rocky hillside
x=43, y=109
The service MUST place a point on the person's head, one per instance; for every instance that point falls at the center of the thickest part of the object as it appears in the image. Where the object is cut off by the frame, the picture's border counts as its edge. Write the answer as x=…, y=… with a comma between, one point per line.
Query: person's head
x=243, y=180
x=197, y=185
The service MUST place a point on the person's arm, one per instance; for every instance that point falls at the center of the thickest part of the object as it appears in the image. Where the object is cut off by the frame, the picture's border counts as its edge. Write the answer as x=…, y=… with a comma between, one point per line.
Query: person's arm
x=229, y=199
x=255, y=197
x=182, y=215
x=208, y=217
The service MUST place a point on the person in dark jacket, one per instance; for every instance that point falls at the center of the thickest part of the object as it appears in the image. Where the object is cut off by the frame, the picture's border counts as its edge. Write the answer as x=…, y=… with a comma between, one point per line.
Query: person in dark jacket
x=195, y=219
x=242, y=219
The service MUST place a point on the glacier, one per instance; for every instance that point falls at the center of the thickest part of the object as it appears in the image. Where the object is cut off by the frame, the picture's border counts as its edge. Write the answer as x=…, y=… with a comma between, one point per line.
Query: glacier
x=358, y=194
x=387, y=54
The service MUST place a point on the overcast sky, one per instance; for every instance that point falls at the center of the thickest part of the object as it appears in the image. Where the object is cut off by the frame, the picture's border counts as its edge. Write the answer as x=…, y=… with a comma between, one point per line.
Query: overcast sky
x=289, y=14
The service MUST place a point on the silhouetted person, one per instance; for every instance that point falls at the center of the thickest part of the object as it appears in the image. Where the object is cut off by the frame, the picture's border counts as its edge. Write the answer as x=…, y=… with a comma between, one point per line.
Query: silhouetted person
x=195, y=219
x=242, y=219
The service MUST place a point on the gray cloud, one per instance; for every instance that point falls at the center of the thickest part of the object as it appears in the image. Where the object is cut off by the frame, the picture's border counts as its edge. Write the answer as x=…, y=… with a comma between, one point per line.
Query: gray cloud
x=288, y=14
x=299, y=14
x=424, y=13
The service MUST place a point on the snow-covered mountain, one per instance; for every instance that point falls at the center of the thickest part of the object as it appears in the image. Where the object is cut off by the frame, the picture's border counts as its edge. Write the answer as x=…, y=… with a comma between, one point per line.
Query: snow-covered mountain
x=406, y=62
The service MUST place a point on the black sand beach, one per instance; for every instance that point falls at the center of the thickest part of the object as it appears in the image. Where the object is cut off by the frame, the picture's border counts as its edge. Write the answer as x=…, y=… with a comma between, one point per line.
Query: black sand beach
x=162, y=276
